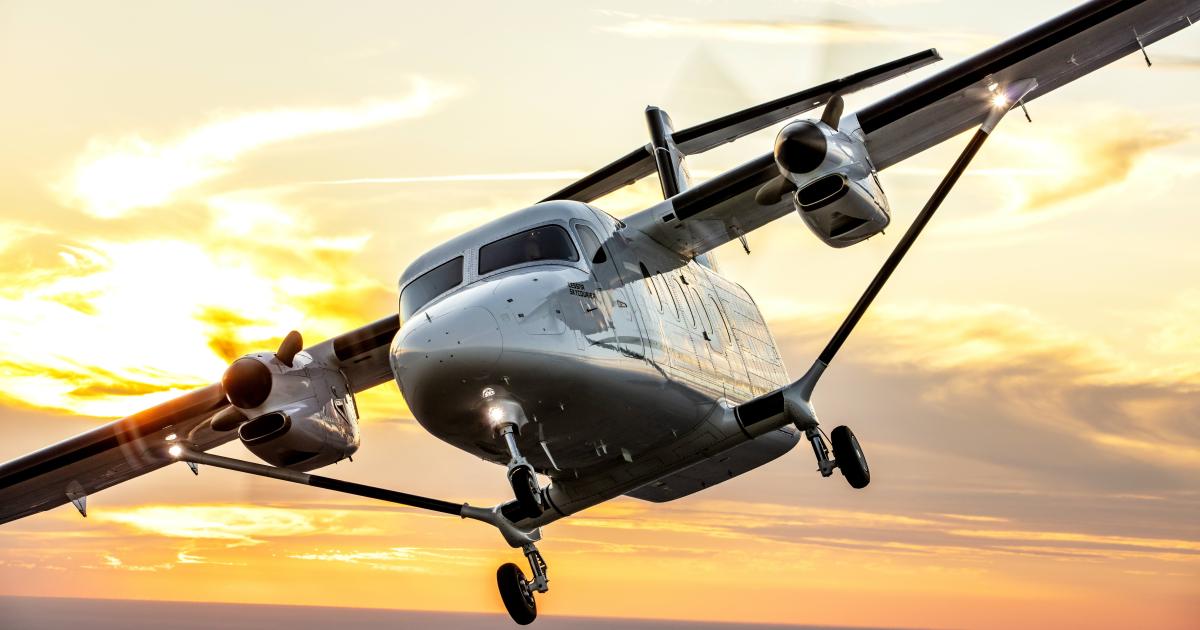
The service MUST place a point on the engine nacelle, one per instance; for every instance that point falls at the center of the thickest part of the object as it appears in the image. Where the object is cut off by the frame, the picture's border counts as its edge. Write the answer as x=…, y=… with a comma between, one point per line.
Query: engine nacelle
x=300, y=416
x=836, y=191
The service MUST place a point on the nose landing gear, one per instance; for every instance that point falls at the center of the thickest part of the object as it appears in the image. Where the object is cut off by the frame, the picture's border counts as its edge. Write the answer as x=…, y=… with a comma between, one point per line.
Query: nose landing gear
x=847, y=455
x=522, y=477
x=517, y=592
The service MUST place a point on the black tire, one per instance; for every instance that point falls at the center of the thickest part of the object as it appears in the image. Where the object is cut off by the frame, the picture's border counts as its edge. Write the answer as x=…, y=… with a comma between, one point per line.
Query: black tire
x=514, y=590
x=849, y=457
x=525, y=488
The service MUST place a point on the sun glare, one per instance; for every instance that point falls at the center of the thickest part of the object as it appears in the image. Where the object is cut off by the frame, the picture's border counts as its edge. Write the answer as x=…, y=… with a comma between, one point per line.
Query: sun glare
x=137, y=323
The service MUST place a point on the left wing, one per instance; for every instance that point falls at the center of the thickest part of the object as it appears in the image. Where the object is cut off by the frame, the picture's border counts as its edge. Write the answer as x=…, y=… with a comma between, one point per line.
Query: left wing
x=921, y=116
x=130, y=447
x=640, y=162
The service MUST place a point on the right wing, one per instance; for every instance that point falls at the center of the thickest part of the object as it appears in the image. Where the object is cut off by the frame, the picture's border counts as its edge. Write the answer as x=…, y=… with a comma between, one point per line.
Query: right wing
x=124, y=449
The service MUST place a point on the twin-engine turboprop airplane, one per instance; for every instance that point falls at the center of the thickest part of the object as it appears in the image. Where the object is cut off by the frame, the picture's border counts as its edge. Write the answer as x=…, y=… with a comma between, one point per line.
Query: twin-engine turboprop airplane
x=608, y=355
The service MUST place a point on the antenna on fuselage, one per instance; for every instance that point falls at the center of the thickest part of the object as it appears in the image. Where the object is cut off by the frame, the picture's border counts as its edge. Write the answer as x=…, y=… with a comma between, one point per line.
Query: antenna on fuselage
x=673, y=176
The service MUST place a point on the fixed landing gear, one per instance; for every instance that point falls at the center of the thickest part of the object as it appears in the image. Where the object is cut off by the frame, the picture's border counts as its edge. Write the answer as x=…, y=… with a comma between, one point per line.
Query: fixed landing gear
x=847, y=455
x=522, y=477
x=517, y=592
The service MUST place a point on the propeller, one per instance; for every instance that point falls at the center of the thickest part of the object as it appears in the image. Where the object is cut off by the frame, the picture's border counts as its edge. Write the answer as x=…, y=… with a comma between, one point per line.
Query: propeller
x=774, y=191
x=292, y=343
x=247, y=381
x=227, y=419
x=801, y=146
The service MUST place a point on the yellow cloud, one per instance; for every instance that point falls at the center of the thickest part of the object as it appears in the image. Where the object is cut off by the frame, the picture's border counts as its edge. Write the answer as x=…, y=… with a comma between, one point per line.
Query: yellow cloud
x=114, y=177
x=1078, y=537
x=1083, y=163
x=804, y=32
x=237, y=523
x=403, y=559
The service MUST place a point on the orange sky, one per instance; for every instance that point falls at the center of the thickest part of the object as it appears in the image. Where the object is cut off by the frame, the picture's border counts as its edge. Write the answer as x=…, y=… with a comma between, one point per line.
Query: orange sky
x=188, y=185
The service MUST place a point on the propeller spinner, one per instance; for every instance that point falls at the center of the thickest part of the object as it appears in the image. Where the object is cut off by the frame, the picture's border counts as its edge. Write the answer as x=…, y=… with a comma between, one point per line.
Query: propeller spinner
x=247, y=381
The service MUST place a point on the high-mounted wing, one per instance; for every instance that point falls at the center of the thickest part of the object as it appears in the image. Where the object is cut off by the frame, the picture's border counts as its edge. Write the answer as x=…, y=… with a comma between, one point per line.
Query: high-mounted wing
x=1054, y=53
x=640, y=162
x=119, y=451
x=919, y=117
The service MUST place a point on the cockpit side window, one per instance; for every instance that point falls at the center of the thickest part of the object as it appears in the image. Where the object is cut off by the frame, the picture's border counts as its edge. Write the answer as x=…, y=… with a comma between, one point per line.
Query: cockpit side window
x=429, y=285
x=548, y=242
x=592, y=250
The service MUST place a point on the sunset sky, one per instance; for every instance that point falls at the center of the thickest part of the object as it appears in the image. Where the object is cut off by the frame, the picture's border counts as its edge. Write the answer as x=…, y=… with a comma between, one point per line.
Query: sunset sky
x=184, y=182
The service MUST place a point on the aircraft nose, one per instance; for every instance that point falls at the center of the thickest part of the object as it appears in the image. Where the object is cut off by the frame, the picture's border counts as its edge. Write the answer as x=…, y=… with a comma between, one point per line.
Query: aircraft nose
x=433, y=356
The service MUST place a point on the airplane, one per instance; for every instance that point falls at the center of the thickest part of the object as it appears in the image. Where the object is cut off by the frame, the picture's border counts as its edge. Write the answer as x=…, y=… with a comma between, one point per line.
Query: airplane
x=608, y=355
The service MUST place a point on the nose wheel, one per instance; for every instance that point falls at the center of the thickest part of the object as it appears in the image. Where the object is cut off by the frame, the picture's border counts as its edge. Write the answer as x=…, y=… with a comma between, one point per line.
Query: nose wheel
x=848, y=456
x=516, y=592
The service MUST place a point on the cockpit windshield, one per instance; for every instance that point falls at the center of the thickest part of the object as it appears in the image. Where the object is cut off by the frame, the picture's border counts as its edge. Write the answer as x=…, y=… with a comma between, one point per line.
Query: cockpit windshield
x=429, y=285
x=548, y=242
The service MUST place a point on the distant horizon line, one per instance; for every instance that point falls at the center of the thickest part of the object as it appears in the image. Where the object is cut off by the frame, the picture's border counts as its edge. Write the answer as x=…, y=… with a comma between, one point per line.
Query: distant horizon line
x=549, y=622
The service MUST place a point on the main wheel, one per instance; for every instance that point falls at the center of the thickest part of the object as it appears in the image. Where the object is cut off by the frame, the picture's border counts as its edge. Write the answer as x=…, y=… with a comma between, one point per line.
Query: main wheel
x=514, y=590
x=525, y=488
x=849, y=457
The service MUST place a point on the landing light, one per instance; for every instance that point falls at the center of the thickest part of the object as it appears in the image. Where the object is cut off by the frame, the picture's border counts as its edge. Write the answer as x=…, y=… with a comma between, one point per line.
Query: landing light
x=1000, y=100
x=175, y=450
x=495, y=414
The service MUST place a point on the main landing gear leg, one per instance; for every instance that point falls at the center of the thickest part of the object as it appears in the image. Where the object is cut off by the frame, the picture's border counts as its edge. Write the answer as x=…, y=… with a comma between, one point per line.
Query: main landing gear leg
x=847, y=455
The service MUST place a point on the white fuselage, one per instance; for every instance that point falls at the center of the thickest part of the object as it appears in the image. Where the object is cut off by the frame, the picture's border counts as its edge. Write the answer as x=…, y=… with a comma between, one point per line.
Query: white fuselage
x=610, y=357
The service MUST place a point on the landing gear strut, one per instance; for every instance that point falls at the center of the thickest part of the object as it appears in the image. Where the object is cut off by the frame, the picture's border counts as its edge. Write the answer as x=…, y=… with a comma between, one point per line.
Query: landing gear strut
x=517, y=592
x=522, y=477
x=847, y=455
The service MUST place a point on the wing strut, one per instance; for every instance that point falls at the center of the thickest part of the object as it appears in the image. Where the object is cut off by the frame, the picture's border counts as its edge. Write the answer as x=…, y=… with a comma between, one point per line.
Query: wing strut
x=1002, y=101
x=494, y=516
x=792, y=404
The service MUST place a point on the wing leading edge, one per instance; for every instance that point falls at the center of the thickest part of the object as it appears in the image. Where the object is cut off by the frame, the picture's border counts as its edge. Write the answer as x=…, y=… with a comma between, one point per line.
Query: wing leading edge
x=124, y=449
x=1055, y=53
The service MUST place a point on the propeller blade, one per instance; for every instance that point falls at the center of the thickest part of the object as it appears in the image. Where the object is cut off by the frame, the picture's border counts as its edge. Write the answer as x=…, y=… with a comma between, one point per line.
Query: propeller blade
x=773, y=191
x=292, y=344
x=227, y=419
x=833, y=112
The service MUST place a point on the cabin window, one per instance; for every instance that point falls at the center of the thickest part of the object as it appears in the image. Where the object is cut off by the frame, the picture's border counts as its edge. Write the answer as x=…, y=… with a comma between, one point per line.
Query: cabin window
x=666, y=288
x=691, y=312
x=592, y=250
x=724, y=322
x=548, y=242
x=650, y=284
x=429, y=285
